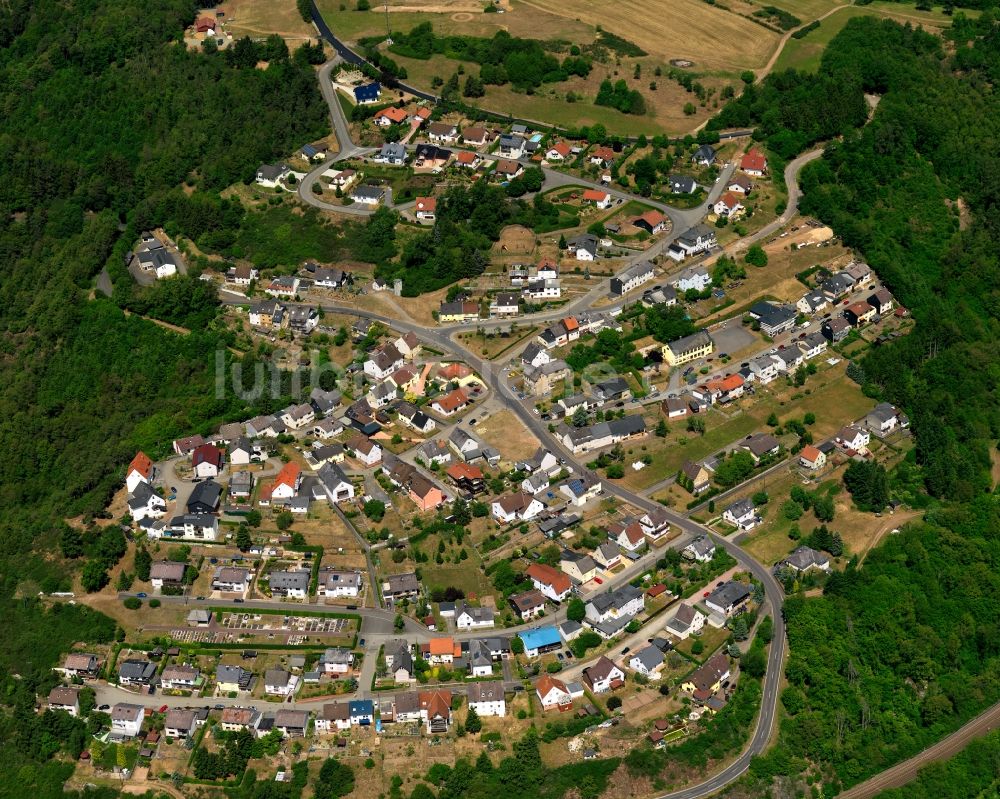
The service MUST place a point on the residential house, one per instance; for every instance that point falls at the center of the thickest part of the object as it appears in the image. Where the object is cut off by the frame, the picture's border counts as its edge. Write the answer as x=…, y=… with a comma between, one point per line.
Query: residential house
x=442, y=650
x=552, y=583
x=853, y=438
x=233, y=679
x=805, y=558
x=487, y=698
x=812, y=458
x=540, y=640
x=292, y=723
x=506, y=303
x=336, y=661
x=813, y=345
x=367, y=93
x=278, y=682
x=741, y=514
x=362, y=712
x=166, y=573
x=270, y=175
x=754, y=162
x=333, y=484
x=763, y=369
x=686, y=621
x=881, y=301
x=837, y=285
x=511, y=146
x=398, y=586
x=144, y=503
x=179, y=723
x=207, y=460
x=290, y=584
x=701, y=549
x=285, y=286
x=674, y=408
x=475, y=136
x=728, y=205
x=705, y=681
x=470, y=618
x=760, y=446
x=410, y=415
x=408, y=345
x=468, y=160
x=383, y=361
x=81, y=664
x=466, y=477
x=582, y=247
x=458, y=311
x=368, y=452
x=651, y=221
x=231, y=579
x=435, y=708
x=682, y=184
x=528, y=604
x=729, y=598
x=705, y=155
x=601, y=199
x=687, y=349
x=296, y=417
x=836, y=329
x=451, y=403
x=542, y=461
x=126, y=719
x=602, y=156
x=516, y=506
x=580, y=490
x=303, y=319
x=695, y=278
x=285, y=484
x=535, y=483
x=442, y=132
x=603, y=434
x=665, y=295
x=860, y=313
x=334, y=583
x=367, y=195
x=425, y=209
x=632, y=278
x=65, y=699
x=607, y=555
x=140, y=470
x=812, y=302
x=399, y=660
x=695, y=240
x=774, y=319
x=580, y=568
x=882, y=419
x=625, y=602
x=235, y=719
x=269, y=314
x=195, y=526
x=740, y=184
x=603, y=676
x=647, y=661
x=136, y=672
x=697, y=477
x=390, y=116
x=553, y=694
x=184, y=446
x=559, y=151
x=508, y=170
x=540, y=380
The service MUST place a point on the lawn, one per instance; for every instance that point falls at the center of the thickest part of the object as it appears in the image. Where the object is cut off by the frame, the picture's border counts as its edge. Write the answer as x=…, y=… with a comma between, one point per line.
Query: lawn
x=508, y=434
x=806, y=53
x=492, y=346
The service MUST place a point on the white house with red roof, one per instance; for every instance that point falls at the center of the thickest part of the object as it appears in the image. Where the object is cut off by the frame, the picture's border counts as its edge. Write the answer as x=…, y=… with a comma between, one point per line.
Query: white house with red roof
x=285, y=485
x=390, y=116
x=754, y=163
x=601, y=199
x=207, y=460
x=628, y=536
x=140, y=470
x=558, y=152
x=728, y=205
x=552, y=583
x=425, y=208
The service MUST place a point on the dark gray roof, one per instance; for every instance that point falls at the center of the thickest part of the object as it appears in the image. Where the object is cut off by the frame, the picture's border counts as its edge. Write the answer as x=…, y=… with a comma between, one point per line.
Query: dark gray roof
x=289, y=580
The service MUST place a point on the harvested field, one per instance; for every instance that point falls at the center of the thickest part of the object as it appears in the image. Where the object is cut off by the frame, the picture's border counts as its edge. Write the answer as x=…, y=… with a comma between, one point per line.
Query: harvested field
x=262, y=17
x=509, y=435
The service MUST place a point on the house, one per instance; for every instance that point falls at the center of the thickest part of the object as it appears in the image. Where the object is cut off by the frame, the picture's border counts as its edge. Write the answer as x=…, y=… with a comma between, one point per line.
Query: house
x=754, y=162
x=285, y=286
x=625, y=602
x=686, y=621
x=435, y=709
x=333, y=484
x=470, y=618
x=292, y=723
x=398, y=586
x=774, y=319
x=145, y=503
x=553, y=694
x=812, y=302
x=858, y=272
x=882, y=419
x=615, y=388
x=580, y=568
x=475, y=136
x=136, y=672
x=812, y=458
x=602, y=156
x=860, y=313
x=708, y=678
x=232, y=679
x=603, y=676
x=665, y=295
x=627, y=534
x=516, y=506
x=466, y=477
x=682, y=184
x=420, y=489
x=140, y=470
x=487, y=698
x=207, y=460
x=204, y=498
x=740, y=184
x=705, y=155
x=648, y=662
x=362, y=712
x=583, y=247
x=390, y=116
x=853, y=438
x=697, y=477
x=199, y=618
x=270, y=175
x=458, y=311
x=729, y=598
x=408, y=414
x=559, y=151
x=296, y=417
x=329, y=278
x=420, y=116
x=441, y=650
x=399, y=660
x=813, y=345
x=290, y=584
x=881, y=301
x=269, y=314
x=728, y=205
x=805, y=558
x=425, y=208
x=652, y=222
x=303, y=319
x=465, y=445
x=381, y=394
x=507, y=169
x=607, y=555
x=511, y=146
x=179, y=676
x=341, y=178
x=383, y=361
x=674, y=408
x=241, y=452
x=580, y=490
x=540, y=640
x=278, y=682
x=552, y=583
x=601, y=199
x=687, y=349
x=535, y=483
x=603, y=434
x=80, y=664
x=696, y=278
x=837, y=285
x=336, y=661
x=528, y=604
x=836, y=329
x=184, y=446
x=760, y=446
x=165, y=572
x=451, y=403
x=698, y=239
x=632, y=278
x=365, y=450
x=367, y=93
x=467, y=159
x=543, y=290
x=231, y=579
x=540, y=380
x=334, y=583
x=235, y=719
x=408, y=345
x=65, y=699
x=206, y=25
x=368, y=195
x=285, y=484
x=506, y=303
x=741, y=514
x=126, y=719
x=196, y=526
x=701, y=549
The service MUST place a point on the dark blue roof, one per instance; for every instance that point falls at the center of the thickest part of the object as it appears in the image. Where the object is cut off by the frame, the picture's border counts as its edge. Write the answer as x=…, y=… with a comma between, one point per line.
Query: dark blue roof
x=362, y=707
x=370, y=91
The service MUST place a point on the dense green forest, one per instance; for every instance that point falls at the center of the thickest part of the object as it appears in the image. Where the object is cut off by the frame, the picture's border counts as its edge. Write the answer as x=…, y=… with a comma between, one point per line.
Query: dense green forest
x=971, y=774
x=104, y=113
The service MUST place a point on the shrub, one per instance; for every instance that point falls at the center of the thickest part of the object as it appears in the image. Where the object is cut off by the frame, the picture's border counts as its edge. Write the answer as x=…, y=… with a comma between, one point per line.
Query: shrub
x=132, y=603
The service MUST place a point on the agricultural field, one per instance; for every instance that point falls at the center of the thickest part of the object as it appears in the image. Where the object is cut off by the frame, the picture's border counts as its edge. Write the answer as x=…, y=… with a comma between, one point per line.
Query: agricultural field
x=256, y=18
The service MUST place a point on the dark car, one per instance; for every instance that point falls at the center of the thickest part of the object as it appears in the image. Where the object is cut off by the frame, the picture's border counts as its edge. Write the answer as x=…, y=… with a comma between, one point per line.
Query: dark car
x=104, y=707
x=220, y=707
x=141, y=595
x=361, y=642
x=626, y=650
x=200, y=598
x=238, y=601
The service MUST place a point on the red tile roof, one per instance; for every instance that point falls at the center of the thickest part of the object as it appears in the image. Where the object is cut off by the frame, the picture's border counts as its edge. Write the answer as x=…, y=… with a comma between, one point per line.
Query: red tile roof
x=396, y=115
x=207, y=453
x=459, y=470
x=141, y=464
x=754, y=161
x=596, y=195
x=810, y=453
x=289, y=476
x=453, y=401
x=426, y=203
x=548, y=576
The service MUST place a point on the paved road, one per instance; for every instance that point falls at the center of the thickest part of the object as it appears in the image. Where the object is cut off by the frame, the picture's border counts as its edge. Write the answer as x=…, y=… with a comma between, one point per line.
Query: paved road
x=904, y=772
